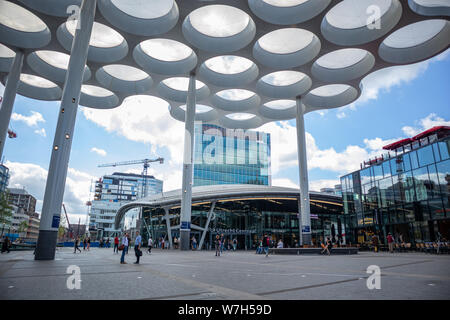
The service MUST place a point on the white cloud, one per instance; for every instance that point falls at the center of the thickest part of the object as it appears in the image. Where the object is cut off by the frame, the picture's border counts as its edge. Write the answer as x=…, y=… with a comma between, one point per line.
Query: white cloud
x=284, y=182
x=31, y=121
x=41, y=132
x=316, y=185
x=430, y=121
x=98, y=151
x=385, y=79
x=143, y=119
x=33, y=178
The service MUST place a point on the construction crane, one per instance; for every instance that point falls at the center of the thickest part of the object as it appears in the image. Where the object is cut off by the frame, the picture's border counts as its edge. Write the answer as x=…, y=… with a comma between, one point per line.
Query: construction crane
x=145, y=162
x=68, y=221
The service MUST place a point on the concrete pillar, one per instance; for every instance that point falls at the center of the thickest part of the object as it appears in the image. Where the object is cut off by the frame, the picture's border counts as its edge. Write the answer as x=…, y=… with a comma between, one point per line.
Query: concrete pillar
x=305, y=217
x=188, y=163
x=169, y=230
x=8, y=98
x=210, y=213
x=57, y=172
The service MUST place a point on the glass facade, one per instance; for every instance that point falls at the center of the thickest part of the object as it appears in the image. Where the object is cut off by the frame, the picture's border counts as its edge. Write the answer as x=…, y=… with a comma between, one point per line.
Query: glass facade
x=113, y=191
x=248, y=218
x=4, y=178
x=407, y=195
x=226, y=156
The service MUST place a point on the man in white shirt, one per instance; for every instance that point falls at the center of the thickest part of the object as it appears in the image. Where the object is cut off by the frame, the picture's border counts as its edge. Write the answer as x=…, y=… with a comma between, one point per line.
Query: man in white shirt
x=137, y=247
x=125, y=244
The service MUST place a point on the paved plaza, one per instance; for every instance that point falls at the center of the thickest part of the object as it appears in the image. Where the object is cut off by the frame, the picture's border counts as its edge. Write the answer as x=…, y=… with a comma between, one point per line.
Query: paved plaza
x=240, y=275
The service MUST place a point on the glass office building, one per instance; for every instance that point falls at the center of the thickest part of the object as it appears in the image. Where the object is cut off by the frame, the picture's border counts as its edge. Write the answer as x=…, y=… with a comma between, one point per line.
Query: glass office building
x=112, y=191
x=406, y=192
x=4, y=178
x=227, y=156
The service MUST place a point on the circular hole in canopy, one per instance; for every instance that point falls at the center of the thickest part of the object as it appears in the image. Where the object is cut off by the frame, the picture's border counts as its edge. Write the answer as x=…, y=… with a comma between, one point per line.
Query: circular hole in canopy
x=199, y=108
x=280, y=104
x=219, y=20
x=20, y=19
x=182, y=83
x=95, y=91
x=240, y=116
x=144, y=9
x=283, y=78
x=36, y=81
x=102, y=36
x=235, y=94
x=166, y=49
x=229, y=64
x=342, y=58
x=125, y=73
x=281, y=41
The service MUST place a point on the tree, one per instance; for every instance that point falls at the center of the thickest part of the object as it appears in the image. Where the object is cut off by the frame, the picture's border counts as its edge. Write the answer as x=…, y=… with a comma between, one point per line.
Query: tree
x=23, y=226
x=5, y=210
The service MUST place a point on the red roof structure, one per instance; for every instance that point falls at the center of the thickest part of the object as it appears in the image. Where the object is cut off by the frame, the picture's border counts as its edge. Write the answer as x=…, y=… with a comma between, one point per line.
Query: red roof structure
x=398, y=144
x=441, y=131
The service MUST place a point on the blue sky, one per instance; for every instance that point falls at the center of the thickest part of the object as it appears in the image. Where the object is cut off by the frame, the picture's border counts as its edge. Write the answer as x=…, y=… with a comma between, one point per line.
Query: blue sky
x=395, y=104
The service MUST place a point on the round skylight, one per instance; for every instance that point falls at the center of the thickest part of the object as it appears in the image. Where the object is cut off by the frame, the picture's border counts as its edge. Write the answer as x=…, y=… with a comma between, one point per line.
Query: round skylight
x=341, y=58
x=166, y=49
x=229, y=64
x=283, y=78
x=235, y=94
x=219, y=20
x=20, y=19
x=330, y=90
x=36, y=81
x=199, y=108
x=281, y=104
x=95, y=91
x=125, y=73
x=240, y=116
x=181, y=83
x=54, y=58
x=102, y=36
x=144, y=9
x=415, y=34
x=285, y=41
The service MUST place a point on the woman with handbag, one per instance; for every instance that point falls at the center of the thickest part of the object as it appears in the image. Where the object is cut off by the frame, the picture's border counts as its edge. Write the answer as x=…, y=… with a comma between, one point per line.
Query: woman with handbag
x=124, y=247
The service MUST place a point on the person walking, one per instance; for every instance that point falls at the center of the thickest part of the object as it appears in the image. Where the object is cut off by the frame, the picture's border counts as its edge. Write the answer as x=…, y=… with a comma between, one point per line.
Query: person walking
x=222, y=238
x=76, y=242
x=116, y=245
x=5, y=244
x=194, y=243
x=162, y=243
x=375, y=242
x=150, y=244
x=234, y=244
x=88, y=243
x=84, y=243
x=266, y=244
x=125, y=248
x=390, y=240
x=217, y=245
x=137, y=247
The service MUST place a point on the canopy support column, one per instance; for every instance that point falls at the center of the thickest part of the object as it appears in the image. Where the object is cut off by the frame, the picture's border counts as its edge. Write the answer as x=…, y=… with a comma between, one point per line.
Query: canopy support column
x=169, y=230
x=8, y=97
x=210, y=213
x=62, y=143
x=186, y=189
x=305, y=217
